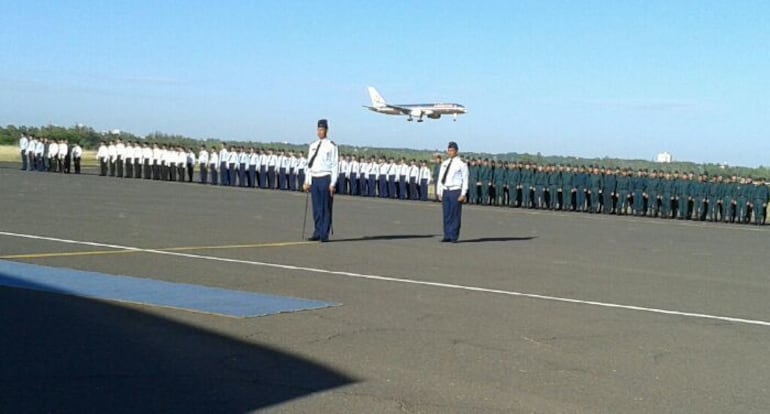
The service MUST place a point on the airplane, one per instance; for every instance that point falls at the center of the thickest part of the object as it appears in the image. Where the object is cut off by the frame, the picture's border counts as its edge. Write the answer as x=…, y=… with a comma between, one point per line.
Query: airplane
x=432, y=111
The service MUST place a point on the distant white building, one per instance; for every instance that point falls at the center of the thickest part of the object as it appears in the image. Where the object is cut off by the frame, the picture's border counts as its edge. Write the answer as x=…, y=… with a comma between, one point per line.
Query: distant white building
x=664, y=157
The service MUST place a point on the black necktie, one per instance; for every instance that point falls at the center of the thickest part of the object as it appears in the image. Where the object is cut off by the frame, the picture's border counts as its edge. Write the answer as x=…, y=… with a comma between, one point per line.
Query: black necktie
x=446, y=172
x=312, y=159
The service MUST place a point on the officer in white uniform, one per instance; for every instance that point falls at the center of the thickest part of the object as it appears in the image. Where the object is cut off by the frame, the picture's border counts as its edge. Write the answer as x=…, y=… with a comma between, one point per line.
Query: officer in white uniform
x=451, y=189
x=77, y=155
x=321, y=180
x=23, y=145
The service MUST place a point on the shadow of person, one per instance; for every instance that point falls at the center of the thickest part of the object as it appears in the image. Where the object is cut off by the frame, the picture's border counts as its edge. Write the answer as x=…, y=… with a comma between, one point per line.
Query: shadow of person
x=495, y=239
x=385, y=237
x=71, y=354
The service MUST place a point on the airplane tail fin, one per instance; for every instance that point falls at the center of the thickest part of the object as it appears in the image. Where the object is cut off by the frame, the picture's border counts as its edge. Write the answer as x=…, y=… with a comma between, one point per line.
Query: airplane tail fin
x=377, y=100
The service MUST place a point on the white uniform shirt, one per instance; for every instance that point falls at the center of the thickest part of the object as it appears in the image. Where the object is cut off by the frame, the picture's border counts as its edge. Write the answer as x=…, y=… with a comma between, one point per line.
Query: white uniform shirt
x=254, y=159
x=302, y=164
x=121, y=150
x=53, y=150
x=191, y=158
x=232, y=157
x=355, y=168
x=364, y=169
x=112, y=152
x=213, y=159
x=271, y=160
x=326, y=162
x=343, y=167
x=223, y=155
x=243, y=157
x=147, y=155
x=157, y=155
x=138, y=153
x=40, y=148
x=376, y=170
x=102, y=153
x=23, y=143
x=414, y=171
x=283, y=162
x=77, y=152
x=292, y=163
x=425, y=174
x=456, y=178
x=203, y=157
x=63, y=150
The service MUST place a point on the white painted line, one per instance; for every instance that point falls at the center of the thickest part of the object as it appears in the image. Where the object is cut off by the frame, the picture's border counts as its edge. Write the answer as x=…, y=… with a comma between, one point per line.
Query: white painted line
x=402, y=280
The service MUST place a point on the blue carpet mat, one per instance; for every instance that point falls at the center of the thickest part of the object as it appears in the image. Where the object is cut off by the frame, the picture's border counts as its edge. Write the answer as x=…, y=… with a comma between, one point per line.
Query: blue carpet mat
x=151, y=292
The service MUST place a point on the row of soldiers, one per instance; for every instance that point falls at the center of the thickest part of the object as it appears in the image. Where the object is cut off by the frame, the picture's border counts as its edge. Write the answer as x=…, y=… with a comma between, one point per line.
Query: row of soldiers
x=43, y=154
x=264, y=168
x=594, y=189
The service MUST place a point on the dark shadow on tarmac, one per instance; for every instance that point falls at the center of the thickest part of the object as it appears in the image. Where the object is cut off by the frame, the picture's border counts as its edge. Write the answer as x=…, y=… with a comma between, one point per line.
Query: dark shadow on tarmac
x=495, y=239
x=385, y=237
x=67, y=354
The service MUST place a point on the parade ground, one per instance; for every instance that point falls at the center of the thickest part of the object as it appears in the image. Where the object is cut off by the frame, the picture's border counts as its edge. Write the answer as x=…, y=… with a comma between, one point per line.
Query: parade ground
x=125, y=295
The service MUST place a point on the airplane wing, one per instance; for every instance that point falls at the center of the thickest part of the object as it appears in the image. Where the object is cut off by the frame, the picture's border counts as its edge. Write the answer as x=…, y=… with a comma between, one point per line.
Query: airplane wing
x=402, y=109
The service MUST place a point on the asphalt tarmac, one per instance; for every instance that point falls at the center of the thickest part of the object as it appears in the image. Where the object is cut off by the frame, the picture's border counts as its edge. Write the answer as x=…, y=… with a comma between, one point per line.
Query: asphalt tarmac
x=533, y=312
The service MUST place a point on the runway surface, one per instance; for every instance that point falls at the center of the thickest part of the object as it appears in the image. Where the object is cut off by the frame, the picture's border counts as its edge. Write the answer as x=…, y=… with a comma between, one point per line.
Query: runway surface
x=533, y=312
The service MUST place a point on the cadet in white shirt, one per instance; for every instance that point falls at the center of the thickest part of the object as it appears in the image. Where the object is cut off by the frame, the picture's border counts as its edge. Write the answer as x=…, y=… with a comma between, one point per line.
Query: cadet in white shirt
x=64, y=157
x=224, y=177
x=425, y=178
x=243, y=162
x=203, y=164
x=253, y=166
x=77, y=155
x=293, y=162
x=40, y=154
x=23, y=144
x=213, y=164
x=414, y=179
x=301, y=168
x=271, y=161
x=147, y=158
x=113, y=154
x=342, y=180
x=190, y=164
x=363, y=177
x=104, y=158
x=232, y=160
x=120, y=151
x=128, y=160
x=355, y=168
x=53, y=152
x=138, y=152
x=321, y=179
x=451, y=190
x=283, y=171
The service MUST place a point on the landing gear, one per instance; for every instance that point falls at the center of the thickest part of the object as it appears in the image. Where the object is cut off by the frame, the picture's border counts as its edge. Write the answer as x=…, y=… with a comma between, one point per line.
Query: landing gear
x=454, y=117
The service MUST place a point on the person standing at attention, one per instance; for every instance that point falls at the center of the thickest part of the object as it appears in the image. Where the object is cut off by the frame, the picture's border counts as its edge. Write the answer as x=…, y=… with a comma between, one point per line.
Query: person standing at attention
x=451, y=189
x=321, y=179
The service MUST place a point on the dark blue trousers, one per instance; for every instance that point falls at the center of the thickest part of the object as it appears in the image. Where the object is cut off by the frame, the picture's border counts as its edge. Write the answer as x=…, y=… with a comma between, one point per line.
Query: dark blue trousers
x=413, y=188
x=263, y=176
x=383, y=187
x=214, y=174
x=453, y=211
x=271, y=178
x=372, y=186
x=282, y=179
x=252, y=175
x=353, y=184
x=402, y=187
x=322, y=206
x=223, y=176
x=203, y=173
x=242, y=175
x=23, y=159
x=424, y=189
x=292, y=180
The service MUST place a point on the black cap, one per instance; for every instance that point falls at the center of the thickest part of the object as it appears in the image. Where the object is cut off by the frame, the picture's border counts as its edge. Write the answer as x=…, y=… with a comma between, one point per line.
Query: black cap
x=452, y=145
x=322, y=123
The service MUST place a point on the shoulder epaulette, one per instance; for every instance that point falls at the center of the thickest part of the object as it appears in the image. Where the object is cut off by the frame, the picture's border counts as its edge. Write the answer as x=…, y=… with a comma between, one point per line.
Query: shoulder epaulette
x=333, y=143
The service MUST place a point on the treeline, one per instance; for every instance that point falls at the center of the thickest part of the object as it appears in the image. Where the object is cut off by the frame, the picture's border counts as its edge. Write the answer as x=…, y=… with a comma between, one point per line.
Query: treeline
x=89, y=139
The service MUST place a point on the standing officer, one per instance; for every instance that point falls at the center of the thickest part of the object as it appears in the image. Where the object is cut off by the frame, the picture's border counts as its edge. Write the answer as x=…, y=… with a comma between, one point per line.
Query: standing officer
x=321, y=180
x=23, y=144
x=451, y=189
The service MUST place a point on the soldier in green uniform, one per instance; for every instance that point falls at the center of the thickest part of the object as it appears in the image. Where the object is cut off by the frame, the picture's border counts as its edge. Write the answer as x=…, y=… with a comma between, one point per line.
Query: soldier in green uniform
x=568, y=188
x=760, y=197
x=640, y=196
x=595, y=184
x=473, y=178
x=527, y=185
x=608, y=192
x=743, y=195
x=485, y=178
x=731, y=187
x=623, y=191
x=554, y=183
x=540, y=178
x=513, y=182
x=668, y=196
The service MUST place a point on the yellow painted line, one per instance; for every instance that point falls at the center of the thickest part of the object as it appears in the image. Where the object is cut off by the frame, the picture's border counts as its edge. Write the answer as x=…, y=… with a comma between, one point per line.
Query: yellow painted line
x=170, y=249
x=237, y=246
x=63, y=254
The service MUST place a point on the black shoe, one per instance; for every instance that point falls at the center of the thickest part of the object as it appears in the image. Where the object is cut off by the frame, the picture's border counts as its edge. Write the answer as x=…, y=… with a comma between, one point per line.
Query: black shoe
x=324, y=240
x=444, y=240
x=314, y=238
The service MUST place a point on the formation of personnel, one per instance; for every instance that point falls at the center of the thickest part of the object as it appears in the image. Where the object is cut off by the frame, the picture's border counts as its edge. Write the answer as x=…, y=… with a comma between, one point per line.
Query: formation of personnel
x=598, y=190
x=592, y=189
x=43, y=154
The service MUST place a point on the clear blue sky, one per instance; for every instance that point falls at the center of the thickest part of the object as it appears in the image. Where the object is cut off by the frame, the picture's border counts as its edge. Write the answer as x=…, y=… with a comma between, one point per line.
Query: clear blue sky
x=587, y=78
